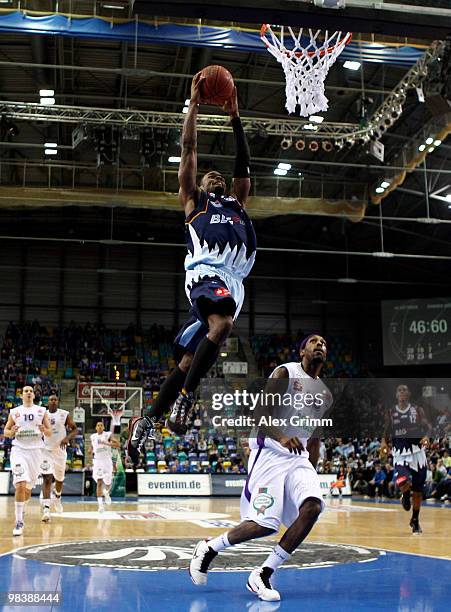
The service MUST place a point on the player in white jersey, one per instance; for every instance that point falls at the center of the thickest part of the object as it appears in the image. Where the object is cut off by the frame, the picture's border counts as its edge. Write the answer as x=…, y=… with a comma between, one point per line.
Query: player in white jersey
x=54, y=455
x=282, y=484
x=27, y=425
x=102, y=469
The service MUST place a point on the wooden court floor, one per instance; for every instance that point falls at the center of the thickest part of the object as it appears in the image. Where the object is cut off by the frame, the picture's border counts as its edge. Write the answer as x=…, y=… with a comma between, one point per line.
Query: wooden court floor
x=360, y=523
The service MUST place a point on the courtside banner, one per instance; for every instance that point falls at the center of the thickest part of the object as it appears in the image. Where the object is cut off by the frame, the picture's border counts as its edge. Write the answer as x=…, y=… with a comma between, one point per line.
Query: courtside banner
x=73, y=484
x=174, y=484
x=327, y=482
x=227, y=484
x=4, y=483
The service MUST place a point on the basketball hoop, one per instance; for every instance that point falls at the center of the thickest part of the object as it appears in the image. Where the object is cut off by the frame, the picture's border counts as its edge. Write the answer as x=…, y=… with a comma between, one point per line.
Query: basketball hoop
x=116, y=415
x=305, y=64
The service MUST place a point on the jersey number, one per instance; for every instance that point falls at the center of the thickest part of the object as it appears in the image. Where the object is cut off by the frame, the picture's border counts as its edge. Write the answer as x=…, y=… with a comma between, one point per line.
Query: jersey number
x=29, y=417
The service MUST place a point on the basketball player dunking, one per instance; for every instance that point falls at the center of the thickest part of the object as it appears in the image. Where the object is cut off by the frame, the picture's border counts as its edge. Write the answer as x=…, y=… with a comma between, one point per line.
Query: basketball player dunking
x=282, y=484
x=221, y=252
x=102, y=465
x=404, y=423
x=54, y=455
x=26, y=425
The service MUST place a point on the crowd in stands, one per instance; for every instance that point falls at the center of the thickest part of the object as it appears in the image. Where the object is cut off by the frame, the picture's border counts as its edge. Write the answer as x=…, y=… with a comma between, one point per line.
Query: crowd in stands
x=201, y=450
x=371, y=473
x=33, y=354
x=271, y=350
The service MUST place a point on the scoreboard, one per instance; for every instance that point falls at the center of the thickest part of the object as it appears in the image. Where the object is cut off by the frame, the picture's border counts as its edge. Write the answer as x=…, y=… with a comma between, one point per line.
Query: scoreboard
x=416, y=331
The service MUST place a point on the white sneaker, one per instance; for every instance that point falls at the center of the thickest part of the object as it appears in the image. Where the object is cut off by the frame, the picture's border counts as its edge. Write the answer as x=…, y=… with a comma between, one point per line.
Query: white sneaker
x=101, y=509
x=18, y=529
x=258, y=582
x=203, y=555
x=107, y=499
x=45, y=518
x=58, y=505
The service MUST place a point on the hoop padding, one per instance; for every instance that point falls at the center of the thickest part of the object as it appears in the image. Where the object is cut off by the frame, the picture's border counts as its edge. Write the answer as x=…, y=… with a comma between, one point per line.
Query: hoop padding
x=305, y=63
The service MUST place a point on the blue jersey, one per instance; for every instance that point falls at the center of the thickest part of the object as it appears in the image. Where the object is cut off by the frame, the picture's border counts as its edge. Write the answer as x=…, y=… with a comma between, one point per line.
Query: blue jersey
x=220, y=234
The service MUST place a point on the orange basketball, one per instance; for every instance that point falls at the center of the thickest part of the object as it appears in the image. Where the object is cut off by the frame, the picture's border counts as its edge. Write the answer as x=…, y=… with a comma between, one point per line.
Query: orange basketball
x=217, y=86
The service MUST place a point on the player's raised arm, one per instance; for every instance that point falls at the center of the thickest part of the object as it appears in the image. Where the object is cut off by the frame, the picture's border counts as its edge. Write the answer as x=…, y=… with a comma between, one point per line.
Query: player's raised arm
x=241, y=174
x=189, y=190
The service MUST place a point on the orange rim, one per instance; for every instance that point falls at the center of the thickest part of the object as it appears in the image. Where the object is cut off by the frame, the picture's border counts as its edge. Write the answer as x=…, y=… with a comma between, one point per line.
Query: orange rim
x=266, y=26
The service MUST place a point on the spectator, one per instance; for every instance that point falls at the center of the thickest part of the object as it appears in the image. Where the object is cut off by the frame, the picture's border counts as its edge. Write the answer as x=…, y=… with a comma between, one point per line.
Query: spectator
x=376, y=484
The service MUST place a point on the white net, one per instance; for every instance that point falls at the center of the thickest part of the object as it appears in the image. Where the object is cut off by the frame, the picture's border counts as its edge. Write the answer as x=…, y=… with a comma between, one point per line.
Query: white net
x=305, y=59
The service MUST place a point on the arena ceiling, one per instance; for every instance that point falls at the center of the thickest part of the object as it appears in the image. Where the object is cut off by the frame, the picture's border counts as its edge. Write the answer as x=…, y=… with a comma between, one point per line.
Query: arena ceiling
x=112, y=71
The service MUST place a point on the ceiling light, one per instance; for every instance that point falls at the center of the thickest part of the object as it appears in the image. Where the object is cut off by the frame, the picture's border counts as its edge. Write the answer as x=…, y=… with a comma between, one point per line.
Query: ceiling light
x=383, y=254
x=283, y=166
x=347, y=280
x=46, y=93
x=350, y=65
x=429, y=140
x=51, y=151
x=50, y=145
x=185, y=109
x=385, y=184
x=327, y=146
x=313, y=145
x=448, y=197
x=300, y=145
x=174, y=159
x=316, y=119
x=280, y=172
x=310, y=126
x=47, y=101
x=421, y=147
x=380, y=190
x=431, y=149
x=437, y=143
x=113, y=6
x=286, y=142
x=187, y=101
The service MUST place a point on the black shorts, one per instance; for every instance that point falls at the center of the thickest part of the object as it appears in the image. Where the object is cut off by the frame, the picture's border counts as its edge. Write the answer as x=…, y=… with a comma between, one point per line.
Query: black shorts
x=404, y=472
x=209, y=295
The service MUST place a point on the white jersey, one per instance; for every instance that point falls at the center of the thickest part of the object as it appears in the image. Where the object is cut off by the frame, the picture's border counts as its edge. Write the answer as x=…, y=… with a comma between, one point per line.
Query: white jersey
x=308, y=398
x=58, y=423
x=28, y=419
x=101, y=451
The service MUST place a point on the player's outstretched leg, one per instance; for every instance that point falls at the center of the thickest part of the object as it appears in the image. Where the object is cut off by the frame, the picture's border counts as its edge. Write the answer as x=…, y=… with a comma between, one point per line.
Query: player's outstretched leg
x=143, y=428
x=207, y=352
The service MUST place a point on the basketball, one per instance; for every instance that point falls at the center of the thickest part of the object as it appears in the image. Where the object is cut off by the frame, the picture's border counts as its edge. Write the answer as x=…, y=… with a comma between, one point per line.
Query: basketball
x=218, y=85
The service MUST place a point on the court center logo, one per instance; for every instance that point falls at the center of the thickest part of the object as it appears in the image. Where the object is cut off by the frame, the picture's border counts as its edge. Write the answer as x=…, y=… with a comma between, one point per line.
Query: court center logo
x=263, y=501
x=175, y=554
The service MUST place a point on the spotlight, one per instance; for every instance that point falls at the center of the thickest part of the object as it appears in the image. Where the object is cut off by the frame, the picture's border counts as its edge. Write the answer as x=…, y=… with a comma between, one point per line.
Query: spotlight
x=349, y=143
x=313, y=146
x=375, y=134
x=388, y=121
x=300, y=145
x=338, y=145
x=327, y=146
x=286, y=142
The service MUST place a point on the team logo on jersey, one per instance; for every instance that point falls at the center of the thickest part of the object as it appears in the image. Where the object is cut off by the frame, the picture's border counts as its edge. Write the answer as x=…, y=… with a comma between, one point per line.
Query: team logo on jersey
x=18, y=470
x=263, y=501
x=216, y=204
x=225, y=219
x=45, y=465
x=221, y=292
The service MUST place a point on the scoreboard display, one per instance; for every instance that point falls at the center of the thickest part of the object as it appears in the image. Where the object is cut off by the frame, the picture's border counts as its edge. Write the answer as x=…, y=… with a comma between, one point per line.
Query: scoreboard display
x=416, y=331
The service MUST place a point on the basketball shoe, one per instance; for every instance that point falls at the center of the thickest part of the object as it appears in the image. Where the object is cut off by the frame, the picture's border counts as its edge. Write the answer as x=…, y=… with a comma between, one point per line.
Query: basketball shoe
x=18, y=529
x=258, y=582
x=203, y=555
x=415, y=525
x=57, y=504
x=45, y=518
x=140, y=430
x=180, y=413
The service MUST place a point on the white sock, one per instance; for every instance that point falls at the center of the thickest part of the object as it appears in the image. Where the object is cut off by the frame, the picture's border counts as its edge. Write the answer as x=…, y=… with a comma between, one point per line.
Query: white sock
x=100, y=501
x=219, y=543
x=19, y=510
x=46, y=503
x=276, y=558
